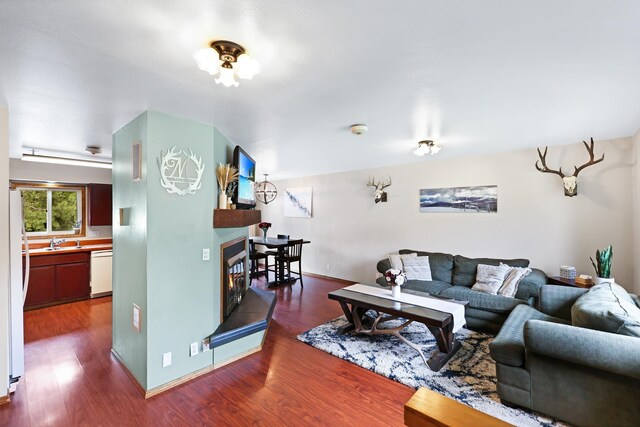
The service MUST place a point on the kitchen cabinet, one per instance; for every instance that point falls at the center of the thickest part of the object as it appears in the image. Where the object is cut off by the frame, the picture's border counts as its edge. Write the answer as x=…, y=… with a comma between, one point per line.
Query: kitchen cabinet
x=99, y=204
x=58, y=278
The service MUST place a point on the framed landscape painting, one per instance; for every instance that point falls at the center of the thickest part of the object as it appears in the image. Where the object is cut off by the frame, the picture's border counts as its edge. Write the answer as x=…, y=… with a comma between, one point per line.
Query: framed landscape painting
x=297, y=202
x=483, y=199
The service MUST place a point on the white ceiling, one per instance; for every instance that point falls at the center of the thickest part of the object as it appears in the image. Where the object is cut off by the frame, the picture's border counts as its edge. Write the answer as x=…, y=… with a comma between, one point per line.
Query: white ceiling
x=477, y=76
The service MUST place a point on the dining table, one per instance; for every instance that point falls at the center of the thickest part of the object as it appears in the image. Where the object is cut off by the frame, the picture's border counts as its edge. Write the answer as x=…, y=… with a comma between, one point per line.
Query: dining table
x=280, y=245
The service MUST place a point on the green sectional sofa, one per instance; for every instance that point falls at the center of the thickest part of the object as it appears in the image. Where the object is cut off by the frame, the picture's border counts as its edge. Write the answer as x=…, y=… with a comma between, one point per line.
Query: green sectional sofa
x=454, y=275
x=580, y=375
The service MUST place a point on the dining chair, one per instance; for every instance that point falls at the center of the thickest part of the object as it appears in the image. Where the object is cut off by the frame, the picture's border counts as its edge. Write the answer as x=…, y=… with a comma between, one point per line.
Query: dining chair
x=254, y=257
x=274, y=254
x=293, y=254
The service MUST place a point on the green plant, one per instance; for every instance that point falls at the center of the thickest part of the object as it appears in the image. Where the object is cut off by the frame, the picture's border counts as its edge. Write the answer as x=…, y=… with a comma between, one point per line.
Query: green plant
x=603, y=266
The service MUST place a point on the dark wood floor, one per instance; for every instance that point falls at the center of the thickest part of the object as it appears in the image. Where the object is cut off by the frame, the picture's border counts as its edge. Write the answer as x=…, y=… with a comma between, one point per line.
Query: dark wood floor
x=72, y=379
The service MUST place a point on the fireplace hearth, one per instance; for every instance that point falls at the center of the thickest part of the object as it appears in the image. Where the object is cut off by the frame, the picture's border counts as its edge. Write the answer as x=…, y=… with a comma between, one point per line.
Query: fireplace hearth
x=233, y=275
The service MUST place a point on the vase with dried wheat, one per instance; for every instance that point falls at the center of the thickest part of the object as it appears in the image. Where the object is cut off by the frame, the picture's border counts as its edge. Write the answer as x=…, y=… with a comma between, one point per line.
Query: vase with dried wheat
x=226, y=174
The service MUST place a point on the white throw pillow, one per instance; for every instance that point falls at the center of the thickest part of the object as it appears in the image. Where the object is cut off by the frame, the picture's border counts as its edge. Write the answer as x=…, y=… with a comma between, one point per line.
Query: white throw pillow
x=489, y=278
x=396, y=260
x=512, y=280
x=417, y=268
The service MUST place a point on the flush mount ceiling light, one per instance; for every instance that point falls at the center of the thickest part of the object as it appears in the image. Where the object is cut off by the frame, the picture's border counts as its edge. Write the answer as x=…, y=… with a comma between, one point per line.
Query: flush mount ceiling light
x=228, y=59
x=359, y=129
x=427, y=147
x=266, y=192
x=41, y=156
x=93, y=149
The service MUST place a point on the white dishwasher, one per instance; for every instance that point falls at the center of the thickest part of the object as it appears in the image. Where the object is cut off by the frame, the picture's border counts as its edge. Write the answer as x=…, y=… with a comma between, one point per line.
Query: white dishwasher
x=101, y=273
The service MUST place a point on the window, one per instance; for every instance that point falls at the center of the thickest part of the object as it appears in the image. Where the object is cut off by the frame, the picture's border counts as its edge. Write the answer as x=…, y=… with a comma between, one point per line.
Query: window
x=52, y=209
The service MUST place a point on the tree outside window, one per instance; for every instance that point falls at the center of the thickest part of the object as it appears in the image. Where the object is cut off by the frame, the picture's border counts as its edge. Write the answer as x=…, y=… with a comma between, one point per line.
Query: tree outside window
x=51, y=210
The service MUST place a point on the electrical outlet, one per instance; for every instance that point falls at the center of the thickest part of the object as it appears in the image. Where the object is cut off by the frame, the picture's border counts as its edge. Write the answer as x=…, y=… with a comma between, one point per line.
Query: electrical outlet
x=206, y=254
x=166, y=359
x=193, y=349
x=328, y=267
x=205, y=344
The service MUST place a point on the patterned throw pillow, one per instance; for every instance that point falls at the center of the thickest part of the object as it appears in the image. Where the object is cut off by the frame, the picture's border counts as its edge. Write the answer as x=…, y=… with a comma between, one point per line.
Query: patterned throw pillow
x=512, y=280
x=417, y=268
x=489, y=278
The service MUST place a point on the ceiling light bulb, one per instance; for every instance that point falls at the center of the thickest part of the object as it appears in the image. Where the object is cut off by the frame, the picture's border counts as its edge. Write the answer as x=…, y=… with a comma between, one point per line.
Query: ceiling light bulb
x=246, y=67
x=227, y=77
x=435, y=148
x=208, y=60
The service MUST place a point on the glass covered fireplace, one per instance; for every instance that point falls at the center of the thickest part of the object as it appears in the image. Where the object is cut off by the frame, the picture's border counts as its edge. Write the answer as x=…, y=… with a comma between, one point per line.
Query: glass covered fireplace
x=233, y=272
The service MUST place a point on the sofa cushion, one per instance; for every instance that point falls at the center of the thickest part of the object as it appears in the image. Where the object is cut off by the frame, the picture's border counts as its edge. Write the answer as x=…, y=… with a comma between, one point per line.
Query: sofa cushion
x=481, y=300
x=433, y=287
x=609, y=308
x=508, y=346
x=441, y=264
x=464, y=269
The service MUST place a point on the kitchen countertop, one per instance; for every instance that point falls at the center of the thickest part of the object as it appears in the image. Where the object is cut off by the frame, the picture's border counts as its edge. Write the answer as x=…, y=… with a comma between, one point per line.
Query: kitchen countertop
x=40, y=248
x=69, y=250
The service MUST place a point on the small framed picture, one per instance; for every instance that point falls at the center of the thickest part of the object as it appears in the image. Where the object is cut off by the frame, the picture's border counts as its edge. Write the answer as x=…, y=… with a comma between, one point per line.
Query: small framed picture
x=136, y=160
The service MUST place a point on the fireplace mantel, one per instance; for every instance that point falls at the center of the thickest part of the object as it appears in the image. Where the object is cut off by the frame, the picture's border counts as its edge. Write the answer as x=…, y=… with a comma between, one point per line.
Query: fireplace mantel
x=228, y=218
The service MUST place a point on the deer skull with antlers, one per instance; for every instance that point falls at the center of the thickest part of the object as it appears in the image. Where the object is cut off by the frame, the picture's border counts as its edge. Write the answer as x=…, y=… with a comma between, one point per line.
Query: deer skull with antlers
x=381, y=195
x=570, y=182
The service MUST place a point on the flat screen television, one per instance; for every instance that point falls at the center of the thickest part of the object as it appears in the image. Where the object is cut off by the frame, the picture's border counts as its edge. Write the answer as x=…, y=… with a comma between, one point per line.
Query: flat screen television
x=244, y=196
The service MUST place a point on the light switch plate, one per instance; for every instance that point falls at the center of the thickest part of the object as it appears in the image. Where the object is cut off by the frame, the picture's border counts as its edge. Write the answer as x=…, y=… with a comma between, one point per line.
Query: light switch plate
x=166, y=359
x=136, y=318
x=193, y=349
x=206, y=254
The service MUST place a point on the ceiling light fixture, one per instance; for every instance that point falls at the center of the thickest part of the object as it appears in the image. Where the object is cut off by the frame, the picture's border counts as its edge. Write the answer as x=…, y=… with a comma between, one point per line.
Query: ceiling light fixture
x=228, y=59
x=427, y=147
x=93, y=149
x=359, y=129
x=31, y=156
x=265, y=191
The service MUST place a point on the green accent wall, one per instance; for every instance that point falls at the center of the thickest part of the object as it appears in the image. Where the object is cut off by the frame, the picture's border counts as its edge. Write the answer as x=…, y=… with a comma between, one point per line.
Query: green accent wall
x=130, y=249
x=158, y=256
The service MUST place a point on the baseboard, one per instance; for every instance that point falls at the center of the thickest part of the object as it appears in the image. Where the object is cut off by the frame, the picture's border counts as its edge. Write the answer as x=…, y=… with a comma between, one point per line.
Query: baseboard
x=321, y=276
x=178, y=381
x=5, y=399
x=146, y=394
x=132, y=377
x=102, y=294
x=240, y=356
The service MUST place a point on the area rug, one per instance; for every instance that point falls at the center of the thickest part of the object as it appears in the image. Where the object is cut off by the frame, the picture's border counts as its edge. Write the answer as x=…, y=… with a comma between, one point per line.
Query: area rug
x=469, y=377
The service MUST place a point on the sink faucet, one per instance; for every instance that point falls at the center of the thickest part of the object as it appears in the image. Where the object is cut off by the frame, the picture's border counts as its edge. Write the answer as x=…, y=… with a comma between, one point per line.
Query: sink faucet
x=54, y=243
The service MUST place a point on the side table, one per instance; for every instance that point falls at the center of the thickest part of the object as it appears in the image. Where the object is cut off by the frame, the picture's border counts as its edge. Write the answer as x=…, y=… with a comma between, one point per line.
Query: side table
x=561, y=281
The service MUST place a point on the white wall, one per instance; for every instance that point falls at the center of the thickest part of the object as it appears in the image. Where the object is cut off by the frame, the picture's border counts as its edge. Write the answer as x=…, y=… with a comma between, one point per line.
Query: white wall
x=4, y=251
x=636, y=211
x=349, y=233
x=31, y=171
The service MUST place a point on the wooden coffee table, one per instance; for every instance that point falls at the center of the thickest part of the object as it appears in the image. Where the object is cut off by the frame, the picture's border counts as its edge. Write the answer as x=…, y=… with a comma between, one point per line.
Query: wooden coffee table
x=440, y=324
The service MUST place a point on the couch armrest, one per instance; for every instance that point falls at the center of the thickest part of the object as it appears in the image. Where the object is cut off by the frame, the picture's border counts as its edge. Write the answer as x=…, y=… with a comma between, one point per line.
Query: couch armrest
x=557, y=301
x=530, y=285
x=618, y=354
x=383, y=265
x=380, y=281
